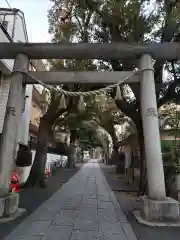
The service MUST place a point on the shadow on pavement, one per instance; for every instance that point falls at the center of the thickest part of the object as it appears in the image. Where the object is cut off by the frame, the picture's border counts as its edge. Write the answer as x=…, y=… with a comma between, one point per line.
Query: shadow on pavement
x=31, y=199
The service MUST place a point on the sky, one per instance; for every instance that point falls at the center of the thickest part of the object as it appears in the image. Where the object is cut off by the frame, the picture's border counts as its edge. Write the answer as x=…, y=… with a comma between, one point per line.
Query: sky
x=35, y=12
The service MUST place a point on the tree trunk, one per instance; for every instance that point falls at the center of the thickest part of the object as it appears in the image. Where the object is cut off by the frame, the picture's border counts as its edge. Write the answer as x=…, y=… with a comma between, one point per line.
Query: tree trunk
x=115, y=154
x=91, y=153
x=38, y=168
x=115, y=158
x=71, y=156
x=106, y=151
x=72, y=149
x=82, y=155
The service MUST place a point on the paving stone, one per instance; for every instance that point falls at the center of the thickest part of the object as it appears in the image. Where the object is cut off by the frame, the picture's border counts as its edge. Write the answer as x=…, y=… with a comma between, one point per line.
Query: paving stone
x=44, y=215
x=101, y=204
x=38, y=227
x=54, y=207
x=32, y=238
x=27, y=237
x=29, y=229
x=73, y=203
x=90, y=196
x=65, y=217
x=111, y=236
x=111, y=231
x=104, y=198
x=90, y=202
x=84, y=235
x=105, y=215
x=87, y=222
x=91, y=188
x=88, y=211
x=90, y=193
x=91, y=180
x=58, y=233
x=106, y=205
x=73, y=199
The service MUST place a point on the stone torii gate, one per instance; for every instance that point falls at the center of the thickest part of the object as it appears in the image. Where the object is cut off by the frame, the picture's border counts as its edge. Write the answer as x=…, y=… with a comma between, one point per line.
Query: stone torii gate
x=156, y=207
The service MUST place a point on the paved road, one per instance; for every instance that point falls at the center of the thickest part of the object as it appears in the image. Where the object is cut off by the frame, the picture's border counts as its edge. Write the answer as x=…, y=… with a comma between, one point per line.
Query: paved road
x=83, y=209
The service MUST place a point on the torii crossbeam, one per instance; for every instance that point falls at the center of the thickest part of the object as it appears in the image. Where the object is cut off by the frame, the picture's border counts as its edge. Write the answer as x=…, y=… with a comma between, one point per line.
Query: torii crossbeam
x=89, y=77
x=104, y=51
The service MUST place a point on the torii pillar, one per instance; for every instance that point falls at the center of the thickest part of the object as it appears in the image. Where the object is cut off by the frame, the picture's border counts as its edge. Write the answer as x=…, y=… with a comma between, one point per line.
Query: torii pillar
x=8, y=145
x=155, y=207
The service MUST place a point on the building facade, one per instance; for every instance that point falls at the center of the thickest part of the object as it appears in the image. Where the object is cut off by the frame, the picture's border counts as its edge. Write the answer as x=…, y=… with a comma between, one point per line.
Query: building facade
x=35, y=115
x=13, y=29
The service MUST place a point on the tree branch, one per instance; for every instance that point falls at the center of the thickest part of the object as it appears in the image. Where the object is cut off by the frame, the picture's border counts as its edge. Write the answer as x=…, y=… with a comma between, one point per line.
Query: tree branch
x=174, y=71
x=80, y=26
x=128, y=109
x=166, y=36
x=168, y=95
x=68, y=12
x=105, y=16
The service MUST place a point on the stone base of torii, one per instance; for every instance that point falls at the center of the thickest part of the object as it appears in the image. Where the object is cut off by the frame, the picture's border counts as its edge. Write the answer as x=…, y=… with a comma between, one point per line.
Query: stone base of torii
x=156, y=207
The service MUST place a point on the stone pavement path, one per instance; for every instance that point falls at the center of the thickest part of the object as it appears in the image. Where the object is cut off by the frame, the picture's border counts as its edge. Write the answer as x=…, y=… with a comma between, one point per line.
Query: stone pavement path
x=85, y=208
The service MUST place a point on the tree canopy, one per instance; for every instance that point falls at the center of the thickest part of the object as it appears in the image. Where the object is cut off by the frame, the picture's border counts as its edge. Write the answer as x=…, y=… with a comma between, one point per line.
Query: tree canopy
x=124, y=21
x=139, y=21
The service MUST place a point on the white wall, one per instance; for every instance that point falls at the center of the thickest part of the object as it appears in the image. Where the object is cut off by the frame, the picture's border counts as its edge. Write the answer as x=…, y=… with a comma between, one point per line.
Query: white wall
x=3, y=38
x=25, y=120
x=53, y=157
x=24, y=172
x=7, y=64
x=16, y=22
